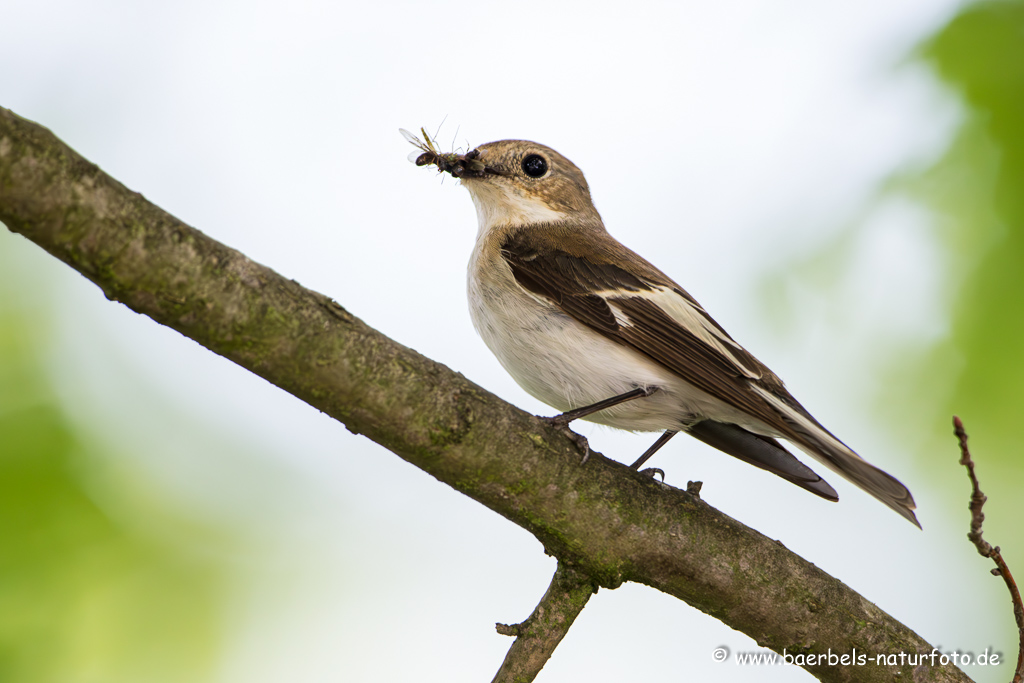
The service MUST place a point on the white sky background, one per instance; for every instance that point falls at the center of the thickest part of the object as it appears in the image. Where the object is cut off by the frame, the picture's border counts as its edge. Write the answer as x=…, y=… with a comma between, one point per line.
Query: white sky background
x=722, y=139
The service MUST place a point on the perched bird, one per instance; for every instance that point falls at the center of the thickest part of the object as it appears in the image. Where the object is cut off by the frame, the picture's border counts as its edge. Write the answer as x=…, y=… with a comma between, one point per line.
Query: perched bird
x=591, y=328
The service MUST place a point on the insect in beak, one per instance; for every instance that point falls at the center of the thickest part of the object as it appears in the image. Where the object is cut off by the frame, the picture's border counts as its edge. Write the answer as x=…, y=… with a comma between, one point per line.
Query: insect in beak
x=466, y=165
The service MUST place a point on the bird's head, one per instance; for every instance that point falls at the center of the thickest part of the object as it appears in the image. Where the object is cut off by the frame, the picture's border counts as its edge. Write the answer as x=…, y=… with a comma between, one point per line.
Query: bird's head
x=517, y=182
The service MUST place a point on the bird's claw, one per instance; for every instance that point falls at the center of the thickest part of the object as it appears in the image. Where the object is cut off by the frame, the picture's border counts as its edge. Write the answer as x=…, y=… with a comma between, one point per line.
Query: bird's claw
x=584, y=445
x=581, y=442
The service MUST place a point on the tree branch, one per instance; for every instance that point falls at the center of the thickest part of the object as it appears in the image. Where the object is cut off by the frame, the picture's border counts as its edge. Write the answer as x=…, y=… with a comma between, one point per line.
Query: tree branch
x=602, y=519
x=540, y=634
x=985, y=549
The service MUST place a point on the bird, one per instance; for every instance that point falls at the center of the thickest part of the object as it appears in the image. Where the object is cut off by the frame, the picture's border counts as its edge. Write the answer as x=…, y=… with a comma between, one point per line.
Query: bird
x=591, y=328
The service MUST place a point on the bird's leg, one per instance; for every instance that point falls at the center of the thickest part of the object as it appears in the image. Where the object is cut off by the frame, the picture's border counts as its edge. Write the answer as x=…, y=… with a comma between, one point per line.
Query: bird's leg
x=562, y=421
x=567, y=417
x=662, y=440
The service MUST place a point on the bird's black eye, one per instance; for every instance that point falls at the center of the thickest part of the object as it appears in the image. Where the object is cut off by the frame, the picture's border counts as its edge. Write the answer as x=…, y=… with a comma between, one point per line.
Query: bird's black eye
x=534, y=165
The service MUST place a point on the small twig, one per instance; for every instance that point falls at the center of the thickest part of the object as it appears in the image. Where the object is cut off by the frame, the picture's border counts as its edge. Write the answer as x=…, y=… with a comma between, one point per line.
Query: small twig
x=987, y=550
x=540, y=634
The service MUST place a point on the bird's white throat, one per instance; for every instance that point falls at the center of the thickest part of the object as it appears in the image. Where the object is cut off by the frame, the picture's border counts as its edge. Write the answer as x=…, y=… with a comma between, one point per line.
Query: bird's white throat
x=508, y=205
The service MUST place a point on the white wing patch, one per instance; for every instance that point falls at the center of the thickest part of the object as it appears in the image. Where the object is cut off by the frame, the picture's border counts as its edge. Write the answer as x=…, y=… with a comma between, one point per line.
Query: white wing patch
x=620, y=316
x=687, y=316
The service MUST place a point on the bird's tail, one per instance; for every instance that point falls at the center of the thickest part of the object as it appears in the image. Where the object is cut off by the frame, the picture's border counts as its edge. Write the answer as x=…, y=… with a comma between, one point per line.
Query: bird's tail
x=840, y=458
x=761, y=451
x=823, y=446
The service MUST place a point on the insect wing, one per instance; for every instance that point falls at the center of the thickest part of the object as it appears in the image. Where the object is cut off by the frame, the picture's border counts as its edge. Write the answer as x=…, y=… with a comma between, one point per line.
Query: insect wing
x=415, y=141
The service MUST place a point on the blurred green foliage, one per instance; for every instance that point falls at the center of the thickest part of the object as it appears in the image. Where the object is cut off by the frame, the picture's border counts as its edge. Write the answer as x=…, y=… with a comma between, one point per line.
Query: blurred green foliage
x=86, y=594
x=977, y=189
x=975, y=193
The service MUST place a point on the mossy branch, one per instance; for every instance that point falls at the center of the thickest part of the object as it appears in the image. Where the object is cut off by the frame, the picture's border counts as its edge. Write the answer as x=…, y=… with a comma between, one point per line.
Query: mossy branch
x=601, y=519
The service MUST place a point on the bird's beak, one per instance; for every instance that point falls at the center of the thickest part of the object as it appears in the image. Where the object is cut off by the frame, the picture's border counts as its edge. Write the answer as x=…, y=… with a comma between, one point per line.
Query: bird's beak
x=466, y=166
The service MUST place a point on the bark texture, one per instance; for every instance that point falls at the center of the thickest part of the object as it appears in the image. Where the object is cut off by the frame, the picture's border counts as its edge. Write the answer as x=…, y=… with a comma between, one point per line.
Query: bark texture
x=602, y=519
x=540, y=634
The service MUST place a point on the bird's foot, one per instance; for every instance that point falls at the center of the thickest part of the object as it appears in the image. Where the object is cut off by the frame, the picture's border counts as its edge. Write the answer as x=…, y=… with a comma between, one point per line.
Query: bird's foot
x=561, y=422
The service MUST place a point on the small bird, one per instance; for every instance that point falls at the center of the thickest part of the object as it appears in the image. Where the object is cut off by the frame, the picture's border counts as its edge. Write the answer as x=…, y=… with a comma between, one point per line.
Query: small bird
x=591, y=328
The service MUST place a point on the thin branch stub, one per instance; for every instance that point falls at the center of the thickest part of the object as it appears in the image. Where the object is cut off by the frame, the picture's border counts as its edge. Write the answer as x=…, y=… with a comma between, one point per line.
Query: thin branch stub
x=985, y=549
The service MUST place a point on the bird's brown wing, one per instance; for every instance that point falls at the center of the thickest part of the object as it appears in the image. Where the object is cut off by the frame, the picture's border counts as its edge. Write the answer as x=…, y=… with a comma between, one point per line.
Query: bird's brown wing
x=593, y=290
x=600, y=283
